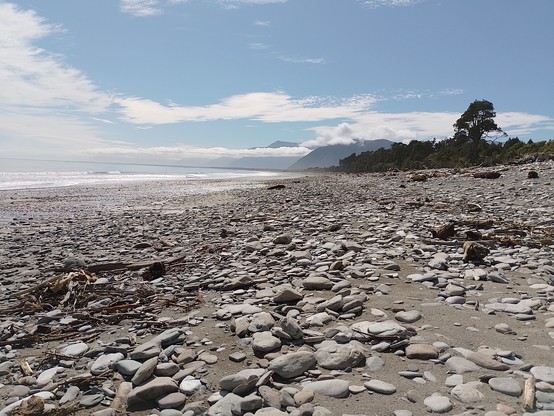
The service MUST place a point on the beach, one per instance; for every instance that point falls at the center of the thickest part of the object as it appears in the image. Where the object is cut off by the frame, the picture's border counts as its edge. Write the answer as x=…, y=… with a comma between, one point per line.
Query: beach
x=308, y=294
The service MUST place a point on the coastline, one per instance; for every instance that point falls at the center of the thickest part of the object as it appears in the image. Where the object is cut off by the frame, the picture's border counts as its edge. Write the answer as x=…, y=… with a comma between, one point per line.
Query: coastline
x=368, y=235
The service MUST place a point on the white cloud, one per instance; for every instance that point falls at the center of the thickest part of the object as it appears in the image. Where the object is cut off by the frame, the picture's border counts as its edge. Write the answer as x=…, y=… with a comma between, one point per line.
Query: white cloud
x=405, y=127
x=301, y=60
x=56, y=136
x=141, y=8
x=146, y=8
x=391, y=126
x=242, y=2
x=178, y=153
x=31, y=77
x=258, y=46
x=451, y=91
x=270, y=107
x=262, y=23
x=389, y=3
x=521, y=124
x=42, y=99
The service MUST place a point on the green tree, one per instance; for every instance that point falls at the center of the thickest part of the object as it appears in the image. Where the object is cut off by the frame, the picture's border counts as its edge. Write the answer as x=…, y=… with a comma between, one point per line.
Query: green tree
x=475, y=124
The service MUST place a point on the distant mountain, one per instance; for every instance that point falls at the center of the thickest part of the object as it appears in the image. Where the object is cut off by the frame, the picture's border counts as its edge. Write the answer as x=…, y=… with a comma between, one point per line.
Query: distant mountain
x=261, y=162
x=279, y=143
x=327, y=156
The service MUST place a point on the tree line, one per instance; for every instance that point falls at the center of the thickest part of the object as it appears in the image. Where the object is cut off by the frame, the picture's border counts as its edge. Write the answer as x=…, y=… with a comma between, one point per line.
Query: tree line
x=467, y=147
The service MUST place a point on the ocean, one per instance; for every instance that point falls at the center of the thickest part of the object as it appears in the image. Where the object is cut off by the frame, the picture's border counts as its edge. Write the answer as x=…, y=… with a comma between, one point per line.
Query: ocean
x=33, y=174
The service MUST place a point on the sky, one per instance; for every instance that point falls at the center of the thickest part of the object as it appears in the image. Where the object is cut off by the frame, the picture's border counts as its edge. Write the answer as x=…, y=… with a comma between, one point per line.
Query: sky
x=189, y=81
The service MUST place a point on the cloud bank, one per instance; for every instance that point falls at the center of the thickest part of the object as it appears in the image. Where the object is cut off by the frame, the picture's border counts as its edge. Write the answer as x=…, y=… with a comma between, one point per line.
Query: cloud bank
x=268, y=107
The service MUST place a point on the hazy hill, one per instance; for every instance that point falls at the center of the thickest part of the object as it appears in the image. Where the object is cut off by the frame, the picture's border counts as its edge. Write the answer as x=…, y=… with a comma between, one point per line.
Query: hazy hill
x=279, y=143
x=261, y=162
x=324, y=157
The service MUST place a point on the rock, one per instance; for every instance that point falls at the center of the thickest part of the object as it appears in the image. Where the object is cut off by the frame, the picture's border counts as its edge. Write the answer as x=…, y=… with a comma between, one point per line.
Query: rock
x=339, y=357
x=288, y=295
x=461, y=365
x=264, y=342
x=467, y=393
x=379, y=386
x=91, y=400
x=46, y=376
x=225, y=406
x=438, y=404
x=237, y=357
x=270, y=396
x=331, y=388
x=506, y=385
x=474, y=251
x=145, y=394
x=283, y=239
x=293, y=364
x=291, y=327
x=382, y=329
x=71, y=394
x=127, y=367
x=317, y=283
x=485, y=361
x=189, y=385
x=408, y=316
x=543, y=373
x=262, y=321
x=232, y=381
x=74, y=350
x=147, y=350
x=374, y=364
x=509, y=308
x=145, y=371
x=172, y=401
x=166, y=369
x=421, y=352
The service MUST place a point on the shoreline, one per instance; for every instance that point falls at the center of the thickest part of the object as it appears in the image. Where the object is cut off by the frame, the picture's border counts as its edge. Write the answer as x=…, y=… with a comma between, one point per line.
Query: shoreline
x=240, y=265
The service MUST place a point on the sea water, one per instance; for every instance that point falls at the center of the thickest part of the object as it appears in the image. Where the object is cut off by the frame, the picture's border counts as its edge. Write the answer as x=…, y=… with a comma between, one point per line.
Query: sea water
x=32, y=174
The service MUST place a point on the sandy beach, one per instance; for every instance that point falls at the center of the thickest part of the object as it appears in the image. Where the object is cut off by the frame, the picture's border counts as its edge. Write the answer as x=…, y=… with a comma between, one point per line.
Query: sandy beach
x=154, y=299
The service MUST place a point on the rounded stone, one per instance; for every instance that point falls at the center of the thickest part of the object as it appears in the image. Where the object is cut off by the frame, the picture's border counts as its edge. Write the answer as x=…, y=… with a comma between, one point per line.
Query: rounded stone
x=339, y=356
x=543, y=373
x=331, y=388
x=506, y=385
x=438, y=404
x=293, y=364
x=422, y=352
x=379, y=386
x=265, y=342
x=408, y=316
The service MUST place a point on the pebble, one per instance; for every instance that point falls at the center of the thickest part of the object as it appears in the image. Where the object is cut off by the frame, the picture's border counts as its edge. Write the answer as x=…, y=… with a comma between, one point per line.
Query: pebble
x=408, y=316
x=438, y=404
x=293, y=364
x=331, y=388
x=379, y=386
x=506, y=385
x=293, y=307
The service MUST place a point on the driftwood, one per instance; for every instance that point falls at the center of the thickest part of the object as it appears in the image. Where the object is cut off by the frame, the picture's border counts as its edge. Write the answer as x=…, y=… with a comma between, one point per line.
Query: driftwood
x=529, y=394
x=55, y=283
x=487, y=175
x=106, y=267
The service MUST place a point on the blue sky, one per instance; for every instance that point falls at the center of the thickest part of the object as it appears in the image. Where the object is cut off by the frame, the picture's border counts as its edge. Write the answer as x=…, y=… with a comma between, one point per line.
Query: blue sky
x=193, y=80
